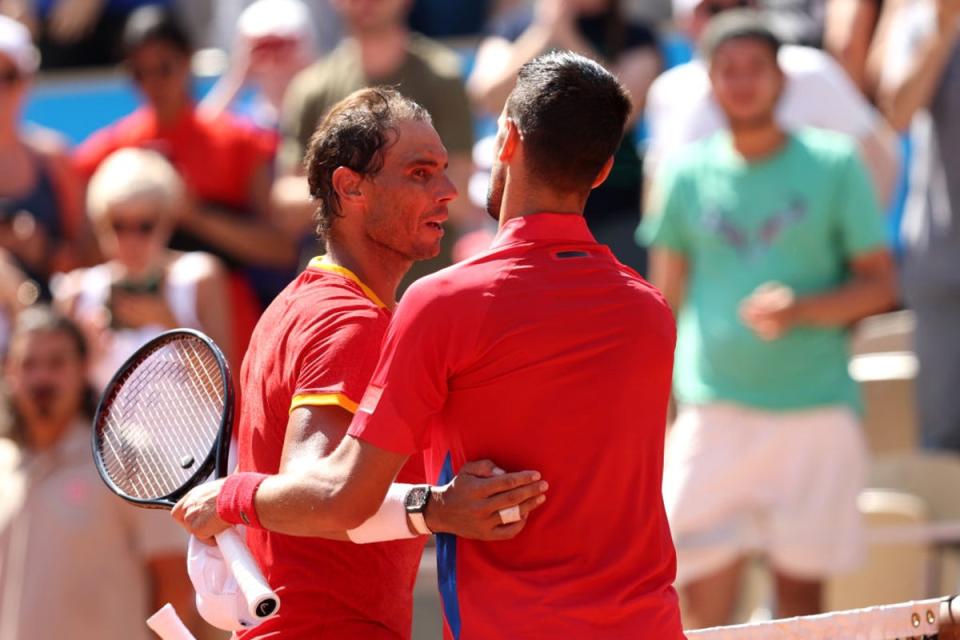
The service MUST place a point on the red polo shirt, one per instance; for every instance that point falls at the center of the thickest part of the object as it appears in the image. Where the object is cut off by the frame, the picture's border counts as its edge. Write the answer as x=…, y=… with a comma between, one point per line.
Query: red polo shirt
x=542, y=353
x=317, y=344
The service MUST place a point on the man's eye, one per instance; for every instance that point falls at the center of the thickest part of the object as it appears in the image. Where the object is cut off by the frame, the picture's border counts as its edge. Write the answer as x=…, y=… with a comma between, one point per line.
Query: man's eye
x=421, y=173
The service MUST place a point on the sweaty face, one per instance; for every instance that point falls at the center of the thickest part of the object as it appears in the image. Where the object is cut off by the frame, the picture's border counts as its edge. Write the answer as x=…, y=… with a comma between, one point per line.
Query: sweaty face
x=46, y=376
x=746, y=82
x=407, y=199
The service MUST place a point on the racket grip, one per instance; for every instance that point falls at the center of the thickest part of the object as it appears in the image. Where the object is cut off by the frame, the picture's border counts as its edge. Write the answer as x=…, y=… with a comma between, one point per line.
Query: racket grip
x=262, y=602
x=168, y=625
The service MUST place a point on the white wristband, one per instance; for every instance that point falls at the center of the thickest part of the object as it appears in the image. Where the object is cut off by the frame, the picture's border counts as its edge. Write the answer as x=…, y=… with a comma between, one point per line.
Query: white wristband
x=389, y=522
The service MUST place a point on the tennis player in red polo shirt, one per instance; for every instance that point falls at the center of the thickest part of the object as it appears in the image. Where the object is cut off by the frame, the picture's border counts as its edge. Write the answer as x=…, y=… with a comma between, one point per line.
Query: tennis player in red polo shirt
x=543, y=352
x=376, y=167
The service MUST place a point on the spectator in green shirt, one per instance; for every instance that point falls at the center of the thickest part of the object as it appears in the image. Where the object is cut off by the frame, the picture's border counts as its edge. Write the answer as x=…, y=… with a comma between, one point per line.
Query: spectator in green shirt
x=768, y=244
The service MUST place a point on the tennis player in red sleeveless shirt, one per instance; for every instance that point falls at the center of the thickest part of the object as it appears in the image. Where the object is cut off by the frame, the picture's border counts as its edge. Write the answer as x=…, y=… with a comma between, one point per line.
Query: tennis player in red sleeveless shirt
x=543, y=352
x=313, y=353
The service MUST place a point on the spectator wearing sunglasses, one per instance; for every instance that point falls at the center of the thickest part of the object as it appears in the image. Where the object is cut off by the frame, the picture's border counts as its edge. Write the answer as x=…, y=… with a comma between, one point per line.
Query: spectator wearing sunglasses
x=224, y=163
x=143, y=288
x=40, y=193
x=682, y=109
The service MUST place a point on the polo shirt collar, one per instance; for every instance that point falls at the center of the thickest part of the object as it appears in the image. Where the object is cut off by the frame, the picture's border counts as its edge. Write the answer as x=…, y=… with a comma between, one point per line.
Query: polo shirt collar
x=565, y=227
x=323, y=263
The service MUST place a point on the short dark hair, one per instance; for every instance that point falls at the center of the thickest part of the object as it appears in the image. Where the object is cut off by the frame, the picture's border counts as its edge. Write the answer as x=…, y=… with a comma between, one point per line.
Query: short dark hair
x=571, y=113
x=354, y=134
x=155, y=24
x=736, y=24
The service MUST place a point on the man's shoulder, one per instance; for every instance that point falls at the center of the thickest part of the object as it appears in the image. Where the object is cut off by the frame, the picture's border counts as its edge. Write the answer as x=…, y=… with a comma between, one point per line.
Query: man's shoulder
x=461, y=286
x=318, y=292
x=440, y=61
x=826, y=145
x=129, y=130
x=319, y=303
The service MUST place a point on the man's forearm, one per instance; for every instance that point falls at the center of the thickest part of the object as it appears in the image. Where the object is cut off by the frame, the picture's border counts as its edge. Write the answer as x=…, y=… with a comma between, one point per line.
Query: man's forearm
x=916, y=90
x=881, y=155
x=847, y=304
x=311, y=503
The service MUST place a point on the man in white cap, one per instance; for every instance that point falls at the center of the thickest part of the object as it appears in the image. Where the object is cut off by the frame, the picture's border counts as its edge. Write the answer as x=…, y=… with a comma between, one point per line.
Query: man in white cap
x=681, y=107
x=274, y=41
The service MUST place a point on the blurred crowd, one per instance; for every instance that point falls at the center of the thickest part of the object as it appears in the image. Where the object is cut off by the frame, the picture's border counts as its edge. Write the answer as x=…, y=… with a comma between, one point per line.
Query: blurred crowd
x=194, y=211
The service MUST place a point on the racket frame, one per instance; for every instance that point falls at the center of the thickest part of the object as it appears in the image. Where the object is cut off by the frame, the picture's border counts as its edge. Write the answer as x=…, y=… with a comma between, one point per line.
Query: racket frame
x=216, y=460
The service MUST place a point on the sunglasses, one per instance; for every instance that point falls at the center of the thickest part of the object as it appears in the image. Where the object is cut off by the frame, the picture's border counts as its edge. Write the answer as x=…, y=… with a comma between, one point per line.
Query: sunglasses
x=711, y=9
x=139, y=227
x=162, y=71
x=9, y=77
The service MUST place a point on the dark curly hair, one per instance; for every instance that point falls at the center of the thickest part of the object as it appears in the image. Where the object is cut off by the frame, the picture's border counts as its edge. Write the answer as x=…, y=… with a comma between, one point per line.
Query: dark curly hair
x=354, y=134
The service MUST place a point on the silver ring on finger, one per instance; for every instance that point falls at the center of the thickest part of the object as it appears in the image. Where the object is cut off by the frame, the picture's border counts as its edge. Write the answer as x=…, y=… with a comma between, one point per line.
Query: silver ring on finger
x=510, y=514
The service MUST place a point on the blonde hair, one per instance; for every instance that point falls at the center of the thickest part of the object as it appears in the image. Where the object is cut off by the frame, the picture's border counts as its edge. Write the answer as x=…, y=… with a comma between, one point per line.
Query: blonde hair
x=134, y=175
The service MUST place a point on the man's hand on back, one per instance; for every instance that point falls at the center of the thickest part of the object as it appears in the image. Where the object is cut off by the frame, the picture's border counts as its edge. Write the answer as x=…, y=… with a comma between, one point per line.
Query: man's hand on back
x=470, y=504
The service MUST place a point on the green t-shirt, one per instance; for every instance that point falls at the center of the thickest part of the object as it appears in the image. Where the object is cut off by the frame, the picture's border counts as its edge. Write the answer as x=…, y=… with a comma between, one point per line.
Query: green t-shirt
x=797, y=217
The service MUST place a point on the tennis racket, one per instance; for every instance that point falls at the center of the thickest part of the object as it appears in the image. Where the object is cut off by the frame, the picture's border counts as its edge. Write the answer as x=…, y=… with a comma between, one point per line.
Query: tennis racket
x=162, y=426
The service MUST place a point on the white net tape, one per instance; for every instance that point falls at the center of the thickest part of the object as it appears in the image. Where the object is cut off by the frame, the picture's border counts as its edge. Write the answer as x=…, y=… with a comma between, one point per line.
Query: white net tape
x=917, y=619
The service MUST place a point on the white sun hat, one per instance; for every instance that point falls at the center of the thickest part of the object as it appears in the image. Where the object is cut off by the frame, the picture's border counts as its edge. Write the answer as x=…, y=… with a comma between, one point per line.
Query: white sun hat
x=16, y=44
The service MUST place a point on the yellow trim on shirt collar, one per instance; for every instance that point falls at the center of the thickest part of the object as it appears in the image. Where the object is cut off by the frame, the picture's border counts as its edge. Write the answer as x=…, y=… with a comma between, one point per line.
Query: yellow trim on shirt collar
x=323, y=263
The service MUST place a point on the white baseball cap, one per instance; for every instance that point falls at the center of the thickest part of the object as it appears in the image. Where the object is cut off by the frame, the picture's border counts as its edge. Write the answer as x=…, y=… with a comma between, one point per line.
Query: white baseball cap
x=16, y=44
x=277, y=18
x=219, y=599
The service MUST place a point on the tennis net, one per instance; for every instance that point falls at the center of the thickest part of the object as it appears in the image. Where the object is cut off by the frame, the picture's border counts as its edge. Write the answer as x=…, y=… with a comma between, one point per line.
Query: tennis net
x=934, y=618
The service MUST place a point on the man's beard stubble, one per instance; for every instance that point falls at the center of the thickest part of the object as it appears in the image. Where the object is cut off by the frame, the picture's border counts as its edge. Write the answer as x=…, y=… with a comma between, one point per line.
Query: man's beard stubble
x=495, y=193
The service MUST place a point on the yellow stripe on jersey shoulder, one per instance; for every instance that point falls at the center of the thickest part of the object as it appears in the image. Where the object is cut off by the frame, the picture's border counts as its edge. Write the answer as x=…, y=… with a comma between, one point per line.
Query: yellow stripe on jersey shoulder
x=323, y=400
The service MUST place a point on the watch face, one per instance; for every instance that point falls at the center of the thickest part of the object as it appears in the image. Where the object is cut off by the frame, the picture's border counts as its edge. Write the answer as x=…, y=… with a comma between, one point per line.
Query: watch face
x=416, y=499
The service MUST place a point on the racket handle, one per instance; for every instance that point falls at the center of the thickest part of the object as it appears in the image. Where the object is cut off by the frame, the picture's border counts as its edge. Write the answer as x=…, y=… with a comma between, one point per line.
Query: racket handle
x=262, y=602
x=168, y=625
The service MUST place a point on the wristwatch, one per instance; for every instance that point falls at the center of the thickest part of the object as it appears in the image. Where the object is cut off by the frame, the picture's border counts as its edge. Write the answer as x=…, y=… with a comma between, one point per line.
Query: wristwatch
x=415, y=503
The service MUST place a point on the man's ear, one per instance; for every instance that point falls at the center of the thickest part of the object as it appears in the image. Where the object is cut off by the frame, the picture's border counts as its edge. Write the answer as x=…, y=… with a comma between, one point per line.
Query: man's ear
x=346, y=184
x=604, y=173
x=510, y=142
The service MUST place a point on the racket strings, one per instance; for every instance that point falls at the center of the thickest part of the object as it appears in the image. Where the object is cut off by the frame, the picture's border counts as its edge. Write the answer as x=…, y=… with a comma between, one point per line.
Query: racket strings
x=163, y=419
